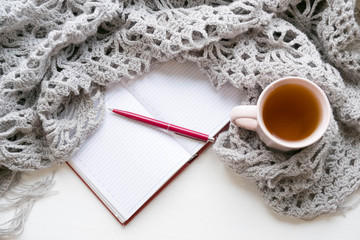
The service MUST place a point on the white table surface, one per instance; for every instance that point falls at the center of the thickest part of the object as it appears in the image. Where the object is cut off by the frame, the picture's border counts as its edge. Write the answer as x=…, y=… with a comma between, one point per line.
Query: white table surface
x=206, y=201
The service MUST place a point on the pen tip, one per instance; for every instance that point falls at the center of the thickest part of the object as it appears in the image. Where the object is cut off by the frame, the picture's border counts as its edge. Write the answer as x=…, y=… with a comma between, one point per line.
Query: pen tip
x=110, y=109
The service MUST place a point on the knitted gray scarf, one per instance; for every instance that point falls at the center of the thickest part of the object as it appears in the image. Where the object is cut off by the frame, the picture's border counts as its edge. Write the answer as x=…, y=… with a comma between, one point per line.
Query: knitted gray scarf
x=57, y=56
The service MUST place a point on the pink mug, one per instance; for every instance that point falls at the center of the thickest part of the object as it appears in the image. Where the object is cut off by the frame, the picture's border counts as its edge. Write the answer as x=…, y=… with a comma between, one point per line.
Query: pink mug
x=251, y=117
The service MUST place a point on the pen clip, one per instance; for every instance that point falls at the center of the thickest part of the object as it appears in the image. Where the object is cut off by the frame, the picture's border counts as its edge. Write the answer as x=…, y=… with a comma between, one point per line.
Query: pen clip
x=210, y=139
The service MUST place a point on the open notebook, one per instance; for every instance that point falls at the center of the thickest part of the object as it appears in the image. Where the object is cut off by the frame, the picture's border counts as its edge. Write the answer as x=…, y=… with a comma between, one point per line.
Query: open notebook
x=126, y=162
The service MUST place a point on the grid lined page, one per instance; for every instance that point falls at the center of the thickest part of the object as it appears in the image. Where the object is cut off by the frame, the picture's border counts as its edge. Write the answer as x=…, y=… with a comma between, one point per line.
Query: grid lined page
x=181, y=94
x=126, y=162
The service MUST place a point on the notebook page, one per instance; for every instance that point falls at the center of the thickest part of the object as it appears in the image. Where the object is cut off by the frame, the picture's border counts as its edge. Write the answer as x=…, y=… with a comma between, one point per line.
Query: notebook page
x=181, y=94
x=125, y=162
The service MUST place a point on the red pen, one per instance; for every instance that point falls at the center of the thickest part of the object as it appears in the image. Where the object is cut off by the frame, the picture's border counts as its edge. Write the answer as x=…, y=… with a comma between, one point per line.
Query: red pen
x=164, y=125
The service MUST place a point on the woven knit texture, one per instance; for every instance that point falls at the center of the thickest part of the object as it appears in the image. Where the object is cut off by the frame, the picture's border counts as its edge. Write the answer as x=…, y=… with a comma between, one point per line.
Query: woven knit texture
x=56, y=57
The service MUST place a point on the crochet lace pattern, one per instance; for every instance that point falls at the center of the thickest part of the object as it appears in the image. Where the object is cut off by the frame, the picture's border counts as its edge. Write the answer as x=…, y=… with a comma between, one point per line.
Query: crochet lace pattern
x=56, y=57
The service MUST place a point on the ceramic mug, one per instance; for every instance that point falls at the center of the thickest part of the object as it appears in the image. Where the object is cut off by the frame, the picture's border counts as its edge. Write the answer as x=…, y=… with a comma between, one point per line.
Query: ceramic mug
x=291, y=113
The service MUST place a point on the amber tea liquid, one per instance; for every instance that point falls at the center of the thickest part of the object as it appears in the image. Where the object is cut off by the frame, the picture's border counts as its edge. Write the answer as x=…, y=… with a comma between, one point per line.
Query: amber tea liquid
x=291, y=112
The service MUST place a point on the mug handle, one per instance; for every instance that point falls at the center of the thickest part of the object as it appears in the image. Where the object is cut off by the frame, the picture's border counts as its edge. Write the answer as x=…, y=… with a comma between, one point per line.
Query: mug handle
x=245, y=116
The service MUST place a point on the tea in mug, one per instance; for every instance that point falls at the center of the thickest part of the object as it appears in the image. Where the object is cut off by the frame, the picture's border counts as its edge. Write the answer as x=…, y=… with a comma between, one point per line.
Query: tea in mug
x=291, y=112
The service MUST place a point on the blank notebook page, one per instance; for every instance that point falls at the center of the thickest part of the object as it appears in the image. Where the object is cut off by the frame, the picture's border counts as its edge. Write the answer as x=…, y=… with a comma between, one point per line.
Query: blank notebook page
x=181, y=94
x=126, y=162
